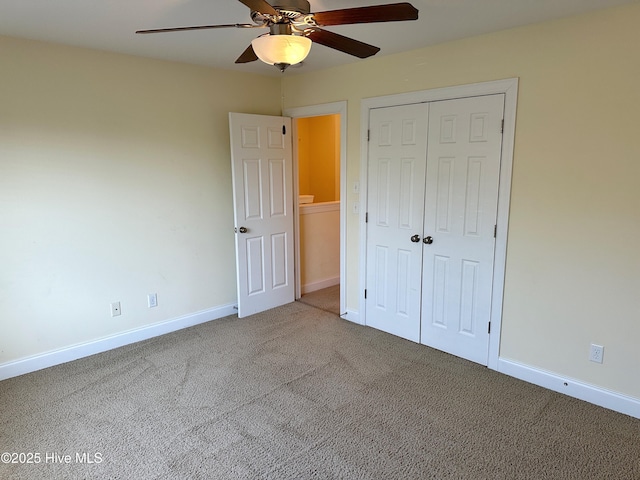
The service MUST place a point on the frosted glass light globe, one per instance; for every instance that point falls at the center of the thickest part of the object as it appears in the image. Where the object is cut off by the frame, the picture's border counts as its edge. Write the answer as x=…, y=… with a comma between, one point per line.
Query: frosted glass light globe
x=281, y=49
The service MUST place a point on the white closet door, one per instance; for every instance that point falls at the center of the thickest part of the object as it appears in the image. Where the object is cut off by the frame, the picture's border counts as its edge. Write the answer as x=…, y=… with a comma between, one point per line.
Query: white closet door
x=463, y=167
x=396, y=170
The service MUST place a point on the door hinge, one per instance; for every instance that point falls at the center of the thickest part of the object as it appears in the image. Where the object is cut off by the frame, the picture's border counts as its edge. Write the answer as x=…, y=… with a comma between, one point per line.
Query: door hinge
x=489, y=329
x=368, y=135
x=365, y=293
x=495, y=231
x=366, y=217
x=502, y=126
x=284, y=129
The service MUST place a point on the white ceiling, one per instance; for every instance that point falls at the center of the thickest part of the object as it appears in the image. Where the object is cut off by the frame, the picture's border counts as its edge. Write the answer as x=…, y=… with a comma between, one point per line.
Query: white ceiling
x=110, y=25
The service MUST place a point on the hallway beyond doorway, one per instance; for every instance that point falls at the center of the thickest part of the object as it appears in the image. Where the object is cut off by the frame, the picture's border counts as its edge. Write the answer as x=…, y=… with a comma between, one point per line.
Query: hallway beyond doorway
x=327, y=299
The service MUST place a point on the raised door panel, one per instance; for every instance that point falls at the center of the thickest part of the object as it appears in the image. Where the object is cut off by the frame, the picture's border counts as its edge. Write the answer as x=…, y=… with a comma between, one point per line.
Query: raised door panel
x=279, y=271
x=277, y=187
x=252, y=185
x=255, y=271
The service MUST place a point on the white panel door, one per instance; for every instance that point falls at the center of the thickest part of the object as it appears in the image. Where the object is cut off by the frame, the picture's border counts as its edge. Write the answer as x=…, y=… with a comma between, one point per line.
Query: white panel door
x=395, y=202
x=463, y=167
x=263, y=210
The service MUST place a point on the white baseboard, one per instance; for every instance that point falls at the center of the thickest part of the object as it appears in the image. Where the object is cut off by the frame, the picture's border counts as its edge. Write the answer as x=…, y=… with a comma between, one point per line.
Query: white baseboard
x=326, y=283
x=352, y=316
x=74, y=352
x=574, y=388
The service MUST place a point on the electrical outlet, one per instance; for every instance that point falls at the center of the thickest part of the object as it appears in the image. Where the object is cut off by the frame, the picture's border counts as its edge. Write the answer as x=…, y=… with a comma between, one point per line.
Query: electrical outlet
x=152, y=300
x=596, y=353
x=115, y=309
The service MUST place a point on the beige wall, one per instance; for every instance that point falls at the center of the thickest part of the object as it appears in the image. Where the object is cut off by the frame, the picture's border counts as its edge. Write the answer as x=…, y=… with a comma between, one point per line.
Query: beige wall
x=319, y=157
x=572, y=261
x=115, y=182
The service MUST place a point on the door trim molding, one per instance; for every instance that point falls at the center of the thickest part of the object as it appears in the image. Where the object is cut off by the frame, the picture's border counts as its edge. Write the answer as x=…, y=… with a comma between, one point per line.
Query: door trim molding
x=335, y=108
x=508, y=87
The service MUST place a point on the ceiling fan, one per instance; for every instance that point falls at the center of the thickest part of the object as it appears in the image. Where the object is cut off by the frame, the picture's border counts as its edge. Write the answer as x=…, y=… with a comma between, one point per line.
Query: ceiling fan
x=293, y=28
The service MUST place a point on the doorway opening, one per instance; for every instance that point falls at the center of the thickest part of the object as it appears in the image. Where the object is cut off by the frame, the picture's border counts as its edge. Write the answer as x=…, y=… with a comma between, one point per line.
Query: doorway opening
x=319, y=169
x=318, y=160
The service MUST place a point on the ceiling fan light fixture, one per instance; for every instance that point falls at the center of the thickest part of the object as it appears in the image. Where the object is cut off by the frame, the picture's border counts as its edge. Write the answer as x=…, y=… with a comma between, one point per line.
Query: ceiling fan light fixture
x=281, y=50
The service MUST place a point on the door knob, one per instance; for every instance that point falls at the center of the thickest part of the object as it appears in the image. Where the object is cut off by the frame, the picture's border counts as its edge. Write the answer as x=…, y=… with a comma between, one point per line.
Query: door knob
x=415, y=238
x=428, y=240
x=243, y=230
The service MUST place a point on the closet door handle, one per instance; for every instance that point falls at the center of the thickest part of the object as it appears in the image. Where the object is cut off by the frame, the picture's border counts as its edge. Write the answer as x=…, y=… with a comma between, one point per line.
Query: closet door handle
x=415, y=238
x=243, y=230
x=428, y=240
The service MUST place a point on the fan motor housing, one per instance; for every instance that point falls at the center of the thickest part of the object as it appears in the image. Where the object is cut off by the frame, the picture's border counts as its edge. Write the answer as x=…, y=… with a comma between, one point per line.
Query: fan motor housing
x=293, y=6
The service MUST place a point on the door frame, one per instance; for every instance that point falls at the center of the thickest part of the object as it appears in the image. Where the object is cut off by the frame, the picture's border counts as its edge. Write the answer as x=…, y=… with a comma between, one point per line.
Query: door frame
x=508, y=87
x=335, y=108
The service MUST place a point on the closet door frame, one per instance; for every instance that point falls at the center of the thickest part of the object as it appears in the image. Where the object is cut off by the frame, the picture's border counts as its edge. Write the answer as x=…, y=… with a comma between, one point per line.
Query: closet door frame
x=508, y=87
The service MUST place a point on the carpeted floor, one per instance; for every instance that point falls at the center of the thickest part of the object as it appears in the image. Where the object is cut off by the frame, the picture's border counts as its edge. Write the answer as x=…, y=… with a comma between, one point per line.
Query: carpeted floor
x=298, y=393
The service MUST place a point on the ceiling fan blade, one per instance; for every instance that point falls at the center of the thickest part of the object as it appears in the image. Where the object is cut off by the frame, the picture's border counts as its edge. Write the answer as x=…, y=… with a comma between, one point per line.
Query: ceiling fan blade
x=342, y=43
x=247, y=56
x=394, y=12
x=200, y=27
x=260, y=6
